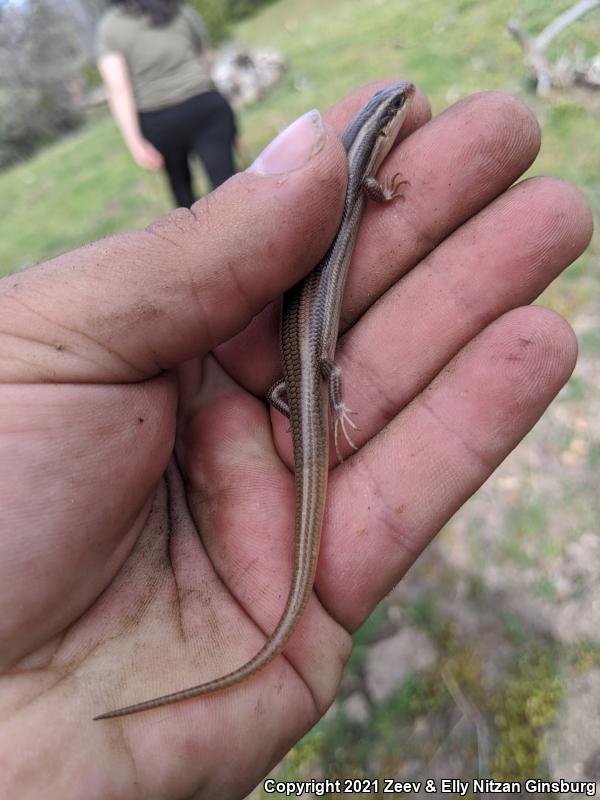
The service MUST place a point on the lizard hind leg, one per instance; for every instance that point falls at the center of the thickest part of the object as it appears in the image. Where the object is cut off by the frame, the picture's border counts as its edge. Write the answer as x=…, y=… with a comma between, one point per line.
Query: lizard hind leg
x=384, y=191
x=275, y=398
x=342, y=416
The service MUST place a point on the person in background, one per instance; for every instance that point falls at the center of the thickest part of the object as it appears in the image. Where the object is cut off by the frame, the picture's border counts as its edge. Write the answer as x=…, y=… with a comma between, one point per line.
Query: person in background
x=154, y=58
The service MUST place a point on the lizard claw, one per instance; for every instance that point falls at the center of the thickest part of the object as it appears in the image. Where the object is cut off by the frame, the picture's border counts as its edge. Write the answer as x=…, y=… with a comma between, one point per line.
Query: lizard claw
x=341, y=420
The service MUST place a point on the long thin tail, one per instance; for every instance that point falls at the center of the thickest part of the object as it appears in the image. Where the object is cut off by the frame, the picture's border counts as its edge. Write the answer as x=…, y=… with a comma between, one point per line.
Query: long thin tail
x=309, y=519
x=267, y=653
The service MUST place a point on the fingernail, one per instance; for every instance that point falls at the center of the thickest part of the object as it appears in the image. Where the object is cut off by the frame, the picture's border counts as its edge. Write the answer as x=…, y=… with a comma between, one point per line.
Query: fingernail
x=293, y=147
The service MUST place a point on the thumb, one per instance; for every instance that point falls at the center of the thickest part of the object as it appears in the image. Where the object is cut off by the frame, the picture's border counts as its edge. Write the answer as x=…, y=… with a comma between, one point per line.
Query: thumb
x=124, y=308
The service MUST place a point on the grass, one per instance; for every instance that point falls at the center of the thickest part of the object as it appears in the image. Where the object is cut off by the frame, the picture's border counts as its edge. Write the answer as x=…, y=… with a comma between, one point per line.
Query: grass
x=86, y=187
x=524, y=710
x=77, y=190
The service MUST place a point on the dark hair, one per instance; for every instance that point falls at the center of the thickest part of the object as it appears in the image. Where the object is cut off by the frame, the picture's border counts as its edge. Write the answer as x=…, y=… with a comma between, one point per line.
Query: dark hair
x=161, y=12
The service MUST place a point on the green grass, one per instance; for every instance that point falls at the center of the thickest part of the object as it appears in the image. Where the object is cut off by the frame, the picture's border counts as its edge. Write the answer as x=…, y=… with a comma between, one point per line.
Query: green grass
x=77, y=190
x=86, y=186
x=526, y=707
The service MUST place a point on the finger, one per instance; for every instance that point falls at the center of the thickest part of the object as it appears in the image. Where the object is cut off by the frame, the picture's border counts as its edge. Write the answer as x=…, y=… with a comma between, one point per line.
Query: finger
x=386, y=503
x=127, y=307
x=502, y=258
x=456, y=164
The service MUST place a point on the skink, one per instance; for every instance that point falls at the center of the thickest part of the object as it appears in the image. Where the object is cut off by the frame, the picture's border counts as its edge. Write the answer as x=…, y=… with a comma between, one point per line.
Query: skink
x=309, y=333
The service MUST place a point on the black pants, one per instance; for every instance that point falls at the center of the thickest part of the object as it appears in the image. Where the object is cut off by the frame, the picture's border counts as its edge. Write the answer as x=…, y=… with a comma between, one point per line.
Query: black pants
x=203, y=126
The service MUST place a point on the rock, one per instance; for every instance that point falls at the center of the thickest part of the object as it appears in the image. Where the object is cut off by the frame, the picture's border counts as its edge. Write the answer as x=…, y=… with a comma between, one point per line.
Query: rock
x=574, y=744
x=245, y=76
x=356, y=707
x=392, y=660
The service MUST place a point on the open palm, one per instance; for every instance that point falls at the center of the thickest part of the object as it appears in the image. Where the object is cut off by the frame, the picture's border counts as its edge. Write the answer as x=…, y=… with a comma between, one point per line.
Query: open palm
x=146, y=491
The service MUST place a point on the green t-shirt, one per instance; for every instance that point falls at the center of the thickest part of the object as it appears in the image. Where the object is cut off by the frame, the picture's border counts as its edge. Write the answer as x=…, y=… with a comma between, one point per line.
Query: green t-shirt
x=163, y=62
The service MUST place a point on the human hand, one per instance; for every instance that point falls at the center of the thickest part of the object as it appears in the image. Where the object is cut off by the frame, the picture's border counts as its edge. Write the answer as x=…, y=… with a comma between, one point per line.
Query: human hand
x=146, y=155
x=147, y=501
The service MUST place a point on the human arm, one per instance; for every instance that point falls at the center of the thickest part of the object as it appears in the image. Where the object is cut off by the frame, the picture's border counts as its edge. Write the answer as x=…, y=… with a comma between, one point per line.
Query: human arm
x=146, y=492
x=114, y=72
